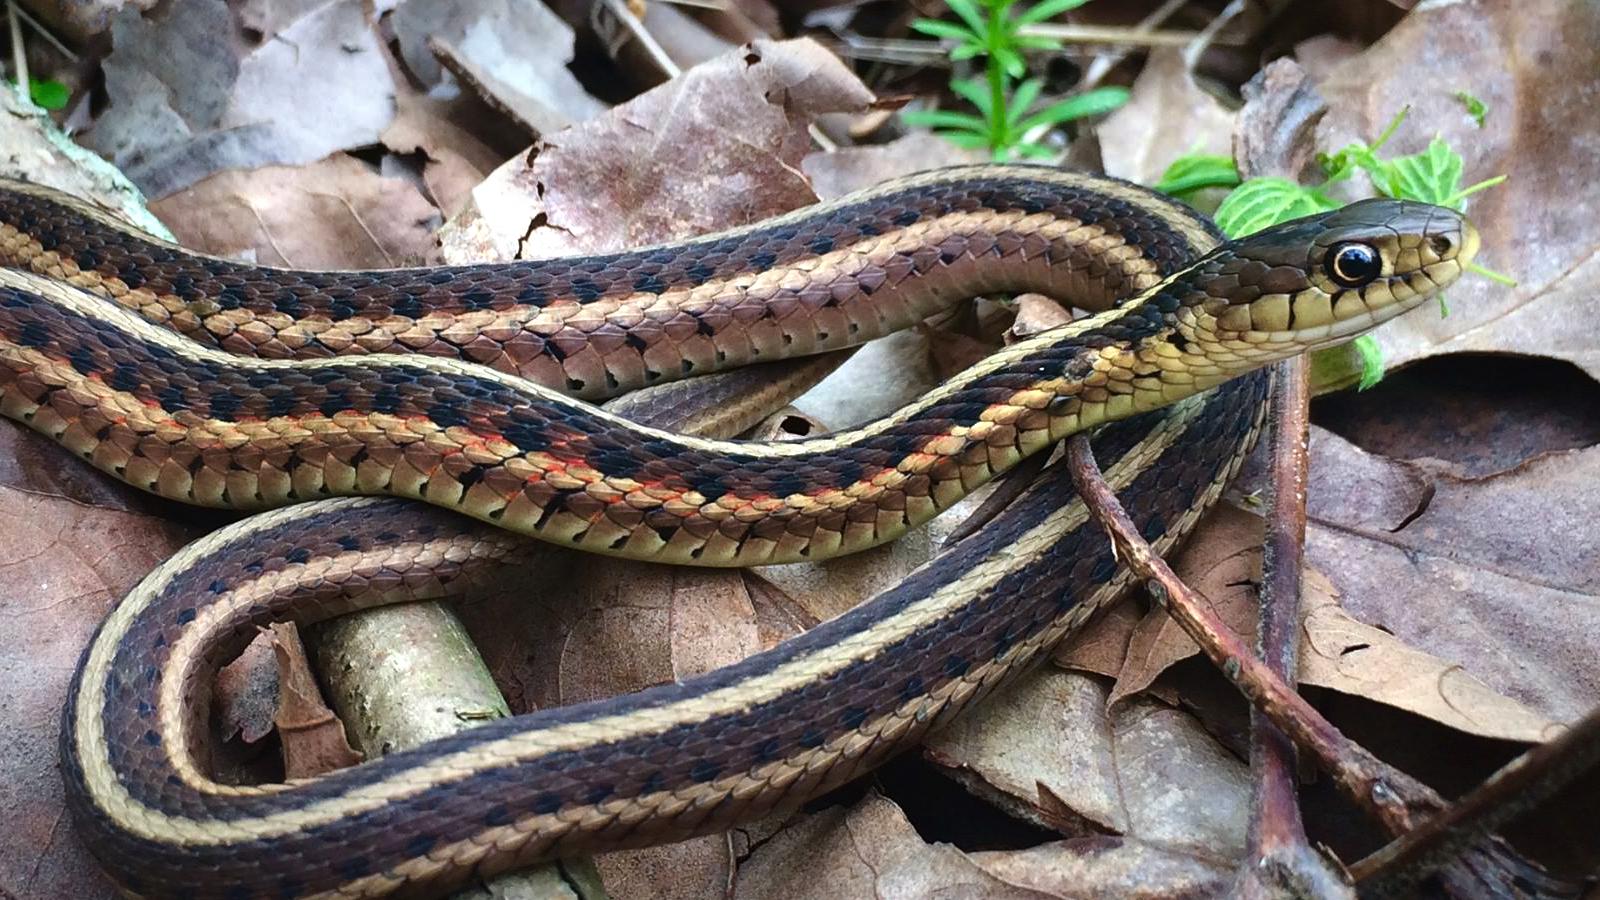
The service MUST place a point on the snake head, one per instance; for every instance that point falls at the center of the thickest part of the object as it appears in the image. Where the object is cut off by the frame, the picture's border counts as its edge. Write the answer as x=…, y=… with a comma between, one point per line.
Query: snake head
x=1324, y=279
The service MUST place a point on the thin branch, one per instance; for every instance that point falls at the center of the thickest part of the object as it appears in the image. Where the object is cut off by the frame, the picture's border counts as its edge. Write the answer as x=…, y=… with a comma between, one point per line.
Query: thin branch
x=1279, y=859
x=1519, y=786
x=1396, y=799
x=19, y=56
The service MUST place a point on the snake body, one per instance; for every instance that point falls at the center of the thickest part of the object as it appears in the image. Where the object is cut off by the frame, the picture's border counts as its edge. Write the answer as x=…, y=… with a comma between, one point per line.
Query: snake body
x=170, y=415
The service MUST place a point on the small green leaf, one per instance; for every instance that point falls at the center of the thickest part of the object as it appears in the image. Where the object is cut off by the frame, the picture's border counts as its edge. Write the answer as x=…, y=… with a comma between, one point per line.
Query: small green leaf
x=48, y=93
x=1371, y=361
x=1088, y=103
x=1475, y=107
x=1034, y=42
x=1022, y=100
x=974, y=91
x=968, y=51
x=1194, y=171
x=940, y=29
x=1049, y=9
x=966, y=140
x=969, y=13
x=1010, y=60
x=943, y=118
x=1263, y=202
x=1432, y=176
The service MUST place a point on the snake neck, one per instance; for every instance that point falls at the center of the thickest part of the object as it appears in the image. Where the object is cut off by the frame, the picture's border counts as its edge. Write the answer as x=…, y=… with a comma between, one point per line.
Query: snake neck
x=826, y=277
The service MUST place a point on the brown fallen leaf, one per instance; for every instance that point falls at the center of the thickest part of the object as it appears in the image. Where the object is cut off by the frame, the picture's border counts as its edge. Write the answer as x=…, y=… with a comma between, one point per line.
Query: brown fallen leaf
x=1526, y=62
x=245, y=694
x=868, y=850
x=63, y=564
x=513, y=53
x=1047, y=750
x=724, y=143
x=334, y=213
x=1223, y=563
x=196, y=89
x=456, y=158
x=1166, y=116
x=313, y=737
x=1499, y=573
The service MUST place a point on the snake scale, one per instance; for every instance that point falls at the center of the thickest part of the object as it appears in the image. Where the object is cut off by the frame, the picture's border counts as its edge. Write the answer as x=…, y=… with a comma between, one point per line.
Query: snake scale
x=224, y=384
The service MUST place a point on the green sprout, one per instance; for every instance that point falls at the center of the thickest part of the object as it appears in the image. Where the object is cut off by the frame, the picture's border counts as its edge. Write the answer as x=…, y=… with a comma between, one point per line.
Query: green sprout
x=1007, y=123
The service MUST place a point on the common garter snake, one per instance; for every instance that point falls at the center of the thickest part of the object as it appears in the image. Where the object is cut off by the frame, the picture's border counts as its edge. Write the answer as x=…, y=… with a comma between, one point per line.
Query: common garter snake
x=113, y=383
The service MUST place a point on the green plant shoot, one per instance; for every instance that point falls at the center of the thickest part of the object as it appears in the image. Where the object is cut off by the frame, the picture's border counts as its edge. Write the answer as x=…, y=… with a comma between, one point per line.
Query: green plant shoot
x=1007, y=124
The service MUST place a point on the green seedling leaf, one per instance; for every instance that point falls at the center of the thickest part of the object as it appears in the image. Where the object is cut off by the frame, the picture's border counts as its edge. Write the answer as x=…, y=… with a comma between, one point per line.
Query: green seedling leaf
x=1263, y=202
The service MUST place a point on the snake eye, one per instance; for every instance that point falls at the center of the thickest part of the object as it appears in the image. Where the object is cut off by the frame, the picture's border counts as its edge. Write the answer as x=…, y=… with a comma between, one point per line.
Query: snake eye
x=1353, y=265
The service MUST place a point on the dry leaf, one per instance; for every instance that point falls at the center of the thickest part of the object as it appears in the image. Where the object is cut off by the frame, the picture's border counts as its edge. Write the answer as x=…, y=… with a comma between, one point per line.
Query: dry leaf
x=869, y=850
x=724, y=144
x=1500, y=574
x=456, y=158
x=1103, y=866
x=196, y=89
x=313, y=737
x=1223, y=563
x=336, y=213
x=245, y=695
x=63, y=565
x=851, y=169
x=1048, y=751
x=1166, y=116
x=514, y=53
x=1527, y=63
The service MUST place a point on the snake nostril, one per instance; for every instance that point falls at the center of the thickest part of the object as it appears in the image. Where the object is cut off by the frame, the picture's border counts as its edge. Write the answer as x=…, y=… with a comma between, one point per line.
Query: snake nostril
x=1441, y=244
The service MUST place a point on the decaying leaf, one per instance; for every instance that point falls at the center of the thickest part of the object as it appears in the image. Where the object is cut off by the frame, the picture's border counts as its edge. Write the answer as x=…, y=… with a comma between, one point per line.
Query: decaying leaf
x=1223, y=563
x=1500, y=573
x=313, y=737
x=1166, y=116
x=868, y=850
x=1047, y=750
x=63, y=565
x=334, y=213
x=195, y=89
x=586, y=190
x=512, y=52
x=455, y=157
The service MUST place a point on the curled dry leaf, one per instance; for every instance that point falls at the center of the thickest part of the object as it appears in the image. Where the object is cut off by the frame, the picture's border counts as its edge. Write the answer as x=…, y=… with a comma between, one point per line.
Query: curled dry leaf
x=1497, y=573
x=1046, y=750
x=513, y=53
x=335, y=213
x=1530, y=64
x=723, y=144
x=313, y=737
x=195, y=90
x=1223, y=563
x=868, y=850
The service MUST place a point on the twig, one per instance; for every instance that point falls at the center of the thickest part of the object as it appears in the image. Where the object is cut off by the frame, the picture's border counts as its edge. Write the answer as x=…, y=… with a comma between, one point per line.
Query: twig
x=19, y=57
x=1393, y=797
x=40, y=29
x=1109, y=35
x=1104, y=62
x=1519, y=786
x=1278, y=858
